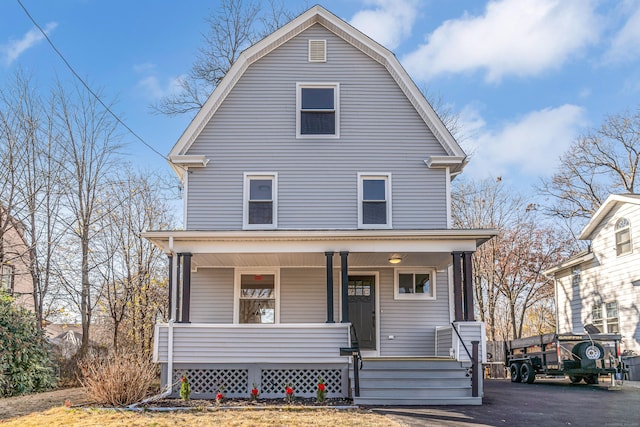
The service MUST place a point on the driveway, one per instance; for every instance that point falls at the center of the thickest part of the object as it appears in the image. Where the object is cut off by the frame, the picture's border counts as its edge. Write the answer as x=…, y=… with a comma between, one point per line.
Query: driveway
x=544, y=403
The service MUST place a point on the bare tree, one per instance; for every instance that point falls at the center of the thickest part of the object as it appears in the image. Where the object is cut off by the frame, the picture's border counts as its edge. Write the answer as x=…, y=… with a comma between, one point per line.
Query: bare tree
x=601, y=162
x=233, y=27
x=89, y=149
x=132, y=269
x=508, y=280
x=37, y=186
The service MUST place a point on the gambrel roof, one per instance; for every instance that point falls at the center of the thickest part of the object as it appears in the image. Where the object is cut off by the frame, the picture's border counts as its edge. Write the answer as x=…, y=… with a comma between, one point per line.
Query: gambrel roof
x=455, y=158
x=601, y=213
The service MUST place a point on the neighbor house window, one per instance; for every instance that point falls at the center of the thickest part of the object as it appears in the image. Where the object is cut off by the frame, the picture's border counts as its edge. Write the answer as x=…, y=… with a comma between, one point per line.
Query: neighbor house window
x=415, y=283
x=260, y=201
x=623, y=236
x=6, y=278
x=257, y=297
x=605, y=317
x=611, y=309
x=318, y=110
x=374, y=200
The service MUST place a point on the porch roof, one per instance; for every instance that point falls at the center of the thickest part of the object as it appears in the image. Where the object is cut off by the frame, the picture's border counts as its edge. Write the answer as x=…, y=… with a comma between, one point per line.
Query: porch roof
x=307, y=247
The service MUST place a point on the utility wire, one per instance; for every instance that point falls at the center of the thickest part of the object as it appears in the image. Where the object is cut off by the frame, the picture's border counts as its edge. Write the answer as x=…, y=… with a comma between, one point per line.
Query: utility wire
x=73, y=71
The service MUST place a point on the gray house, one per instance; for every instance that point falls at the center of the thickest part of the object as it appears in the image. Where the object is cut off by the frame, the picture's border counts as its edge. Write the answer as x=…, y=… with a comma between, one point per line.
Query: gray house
x=317, y=212
x=601, y=286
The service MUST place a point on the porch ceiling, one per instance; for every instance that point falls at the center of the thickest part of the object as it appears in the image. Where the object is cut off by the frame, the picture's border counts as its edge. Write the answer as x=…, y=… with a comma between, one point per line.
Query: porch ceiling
x=356, y=259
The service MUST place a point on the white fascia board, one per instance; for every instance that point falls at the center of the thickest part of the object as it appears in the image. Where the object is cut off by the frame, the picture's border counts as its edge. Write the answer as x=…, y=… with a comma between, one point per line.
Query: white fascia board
x=342, y=29
x=321, y=241
x=576, y=260
x=608, y=204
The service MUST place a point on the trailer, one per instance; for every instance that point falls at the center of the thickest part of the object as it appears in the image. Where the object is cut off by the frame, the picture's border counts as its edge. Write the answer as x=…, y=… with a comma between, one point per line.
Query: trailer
x=581, y=357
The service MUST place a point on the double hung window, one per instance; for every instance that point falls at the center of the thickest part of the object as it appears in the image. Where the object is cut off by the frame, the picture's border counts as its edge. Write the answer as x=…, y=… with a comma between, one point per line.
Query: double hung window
x=605, y=317
x=260, y=201
x=374, y=201
x=318, y=112
x=623, y=236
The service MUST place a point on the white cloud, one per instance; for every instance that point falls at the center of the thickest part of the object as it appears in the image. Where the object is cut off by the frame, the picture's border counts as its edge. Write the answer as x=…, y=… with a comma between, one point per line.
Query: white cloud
x=626, y=43
x=155, y=89
x=519, y=37
x=12, y=50
x=527, y=147
x=389, y=22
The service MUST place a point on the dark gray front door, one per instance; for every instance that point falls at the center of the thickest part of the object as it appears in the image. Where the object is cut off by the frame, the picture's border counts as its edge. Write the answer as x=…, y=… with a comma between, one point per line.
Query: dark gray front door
x=362, y=309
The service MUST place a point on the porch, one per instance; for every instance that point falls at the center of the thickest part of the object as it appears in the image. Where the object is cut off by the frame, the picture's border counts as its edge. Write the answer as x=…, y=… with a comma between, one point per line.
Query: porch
x=234, y=358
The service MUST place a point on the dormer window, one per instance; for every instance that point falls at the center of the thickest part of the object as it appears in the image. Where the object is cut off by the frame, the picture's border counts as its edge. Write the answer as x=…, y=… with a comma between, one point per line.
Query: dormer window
x=260, y=201
x=318, y=112
x=623, y=236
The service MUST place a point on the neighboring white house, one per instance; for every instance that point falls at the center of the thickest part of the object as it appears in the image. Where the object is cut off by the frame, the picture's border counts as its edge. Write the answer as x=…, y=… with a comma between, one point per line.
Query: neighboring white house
x=317, y=198
x=601, y=286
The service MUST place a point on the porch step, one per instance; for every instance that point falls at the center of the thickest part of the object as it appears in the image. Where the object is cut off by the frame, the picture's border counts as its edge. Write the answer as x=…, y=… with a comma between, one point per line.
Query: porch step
x=413, y=381
x=412, y=401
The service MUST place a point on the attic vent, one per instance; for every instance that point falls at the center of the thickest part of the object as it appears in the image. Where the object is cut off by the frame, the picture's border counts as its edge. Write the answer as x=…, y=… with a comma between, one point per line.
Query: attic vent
x=317, y=51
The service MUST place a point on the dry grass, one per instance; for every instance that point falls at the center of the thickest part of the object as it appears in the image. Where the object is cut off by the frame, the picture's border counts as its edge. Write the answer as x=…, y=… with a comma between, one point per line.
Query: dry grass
x=61, y=416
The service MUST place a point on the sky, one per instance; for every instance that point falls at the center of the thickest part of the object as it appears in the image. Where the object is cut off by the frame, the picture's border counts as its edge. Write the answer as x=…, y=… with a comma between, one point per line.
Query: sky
x=527, y=77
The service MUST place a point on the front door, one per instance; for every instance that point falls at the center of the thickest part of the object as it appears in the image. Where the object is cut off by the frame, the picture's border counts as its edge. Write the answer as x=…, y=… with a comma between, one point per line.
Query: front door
x=362, y=309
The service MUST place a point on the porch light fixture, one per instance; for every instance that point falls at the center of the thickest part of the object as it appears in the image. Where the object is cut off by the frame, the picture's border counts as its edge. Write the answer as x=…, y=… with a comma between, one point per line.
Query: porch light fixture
x=395, y=259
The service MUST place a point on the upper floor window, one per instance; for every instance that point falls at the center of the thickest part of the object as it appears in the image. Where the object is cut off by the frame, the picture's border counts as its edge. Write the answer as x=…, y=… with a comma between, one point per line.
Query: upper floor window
x=6, y=278
x=374, y=200
x=623, y=236
x=318, y=110
x=260, y=201
x=415, y=284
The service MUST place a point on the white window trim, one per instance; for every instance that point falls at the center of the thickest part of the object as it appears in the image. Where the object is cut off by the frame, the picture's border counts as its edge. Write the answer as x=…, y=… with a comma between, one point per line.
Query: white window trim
x=238, y=272
x=245, y=202
x=336, y=104
x=375, y=175
x=414, y=270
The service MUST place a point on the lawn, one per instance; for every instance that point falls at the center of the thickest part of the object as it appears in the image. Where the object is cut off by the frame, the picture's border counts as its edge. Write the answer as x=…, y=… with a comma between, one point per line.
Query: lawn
x=47, y=410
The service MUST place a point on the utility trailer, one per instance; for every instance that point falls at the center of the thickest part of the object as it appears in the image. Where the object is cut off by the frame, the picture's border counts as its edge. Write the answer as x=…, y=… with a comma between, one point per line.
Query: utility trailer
x=580, y=357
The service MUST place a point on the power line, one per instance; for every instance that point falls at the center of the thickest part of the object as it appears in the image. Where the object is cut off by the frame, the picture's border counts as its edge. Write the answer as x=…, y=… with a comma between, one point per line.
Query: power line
x=77, y=76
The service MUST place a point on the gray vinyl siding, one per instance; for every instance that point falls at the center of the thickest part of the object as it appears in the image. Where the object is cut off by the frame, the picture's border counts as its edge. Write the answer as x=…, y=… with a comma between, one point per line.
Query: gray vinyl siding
x=255, y=131
x=412, y=323
x=303, y=295
x=231, y=344
x=212, y=296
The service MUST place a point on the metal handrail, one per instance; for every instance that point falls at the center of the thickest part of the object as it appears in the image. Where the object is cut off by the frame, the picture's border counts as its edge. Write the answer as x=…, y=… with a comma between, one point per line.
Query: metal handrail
x=463, y=344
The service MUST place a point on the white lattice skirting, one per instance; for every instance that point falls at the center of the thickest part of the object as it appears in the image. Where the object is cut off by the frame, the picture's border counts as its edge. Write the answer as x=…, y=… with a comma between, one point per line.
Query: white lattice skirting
x=237, y=381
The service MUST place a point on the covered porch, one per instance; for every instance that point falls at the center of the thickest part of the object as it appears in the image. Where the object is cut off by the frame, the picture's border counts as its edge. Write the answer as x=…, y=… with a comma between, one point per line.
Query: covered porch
x=303, y=290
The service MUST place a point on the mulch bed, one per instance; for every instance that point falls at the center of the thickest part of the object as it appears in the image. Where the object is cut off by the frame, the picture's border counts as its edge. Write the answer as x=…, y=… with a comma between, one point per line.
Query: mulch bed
x=298, y=402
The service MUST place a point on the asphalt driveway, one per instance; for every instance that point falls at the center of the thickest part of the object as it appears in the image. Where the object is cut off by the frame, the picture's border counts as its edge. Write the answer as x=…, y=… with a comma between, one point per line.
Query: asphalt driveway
x=544, y=403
